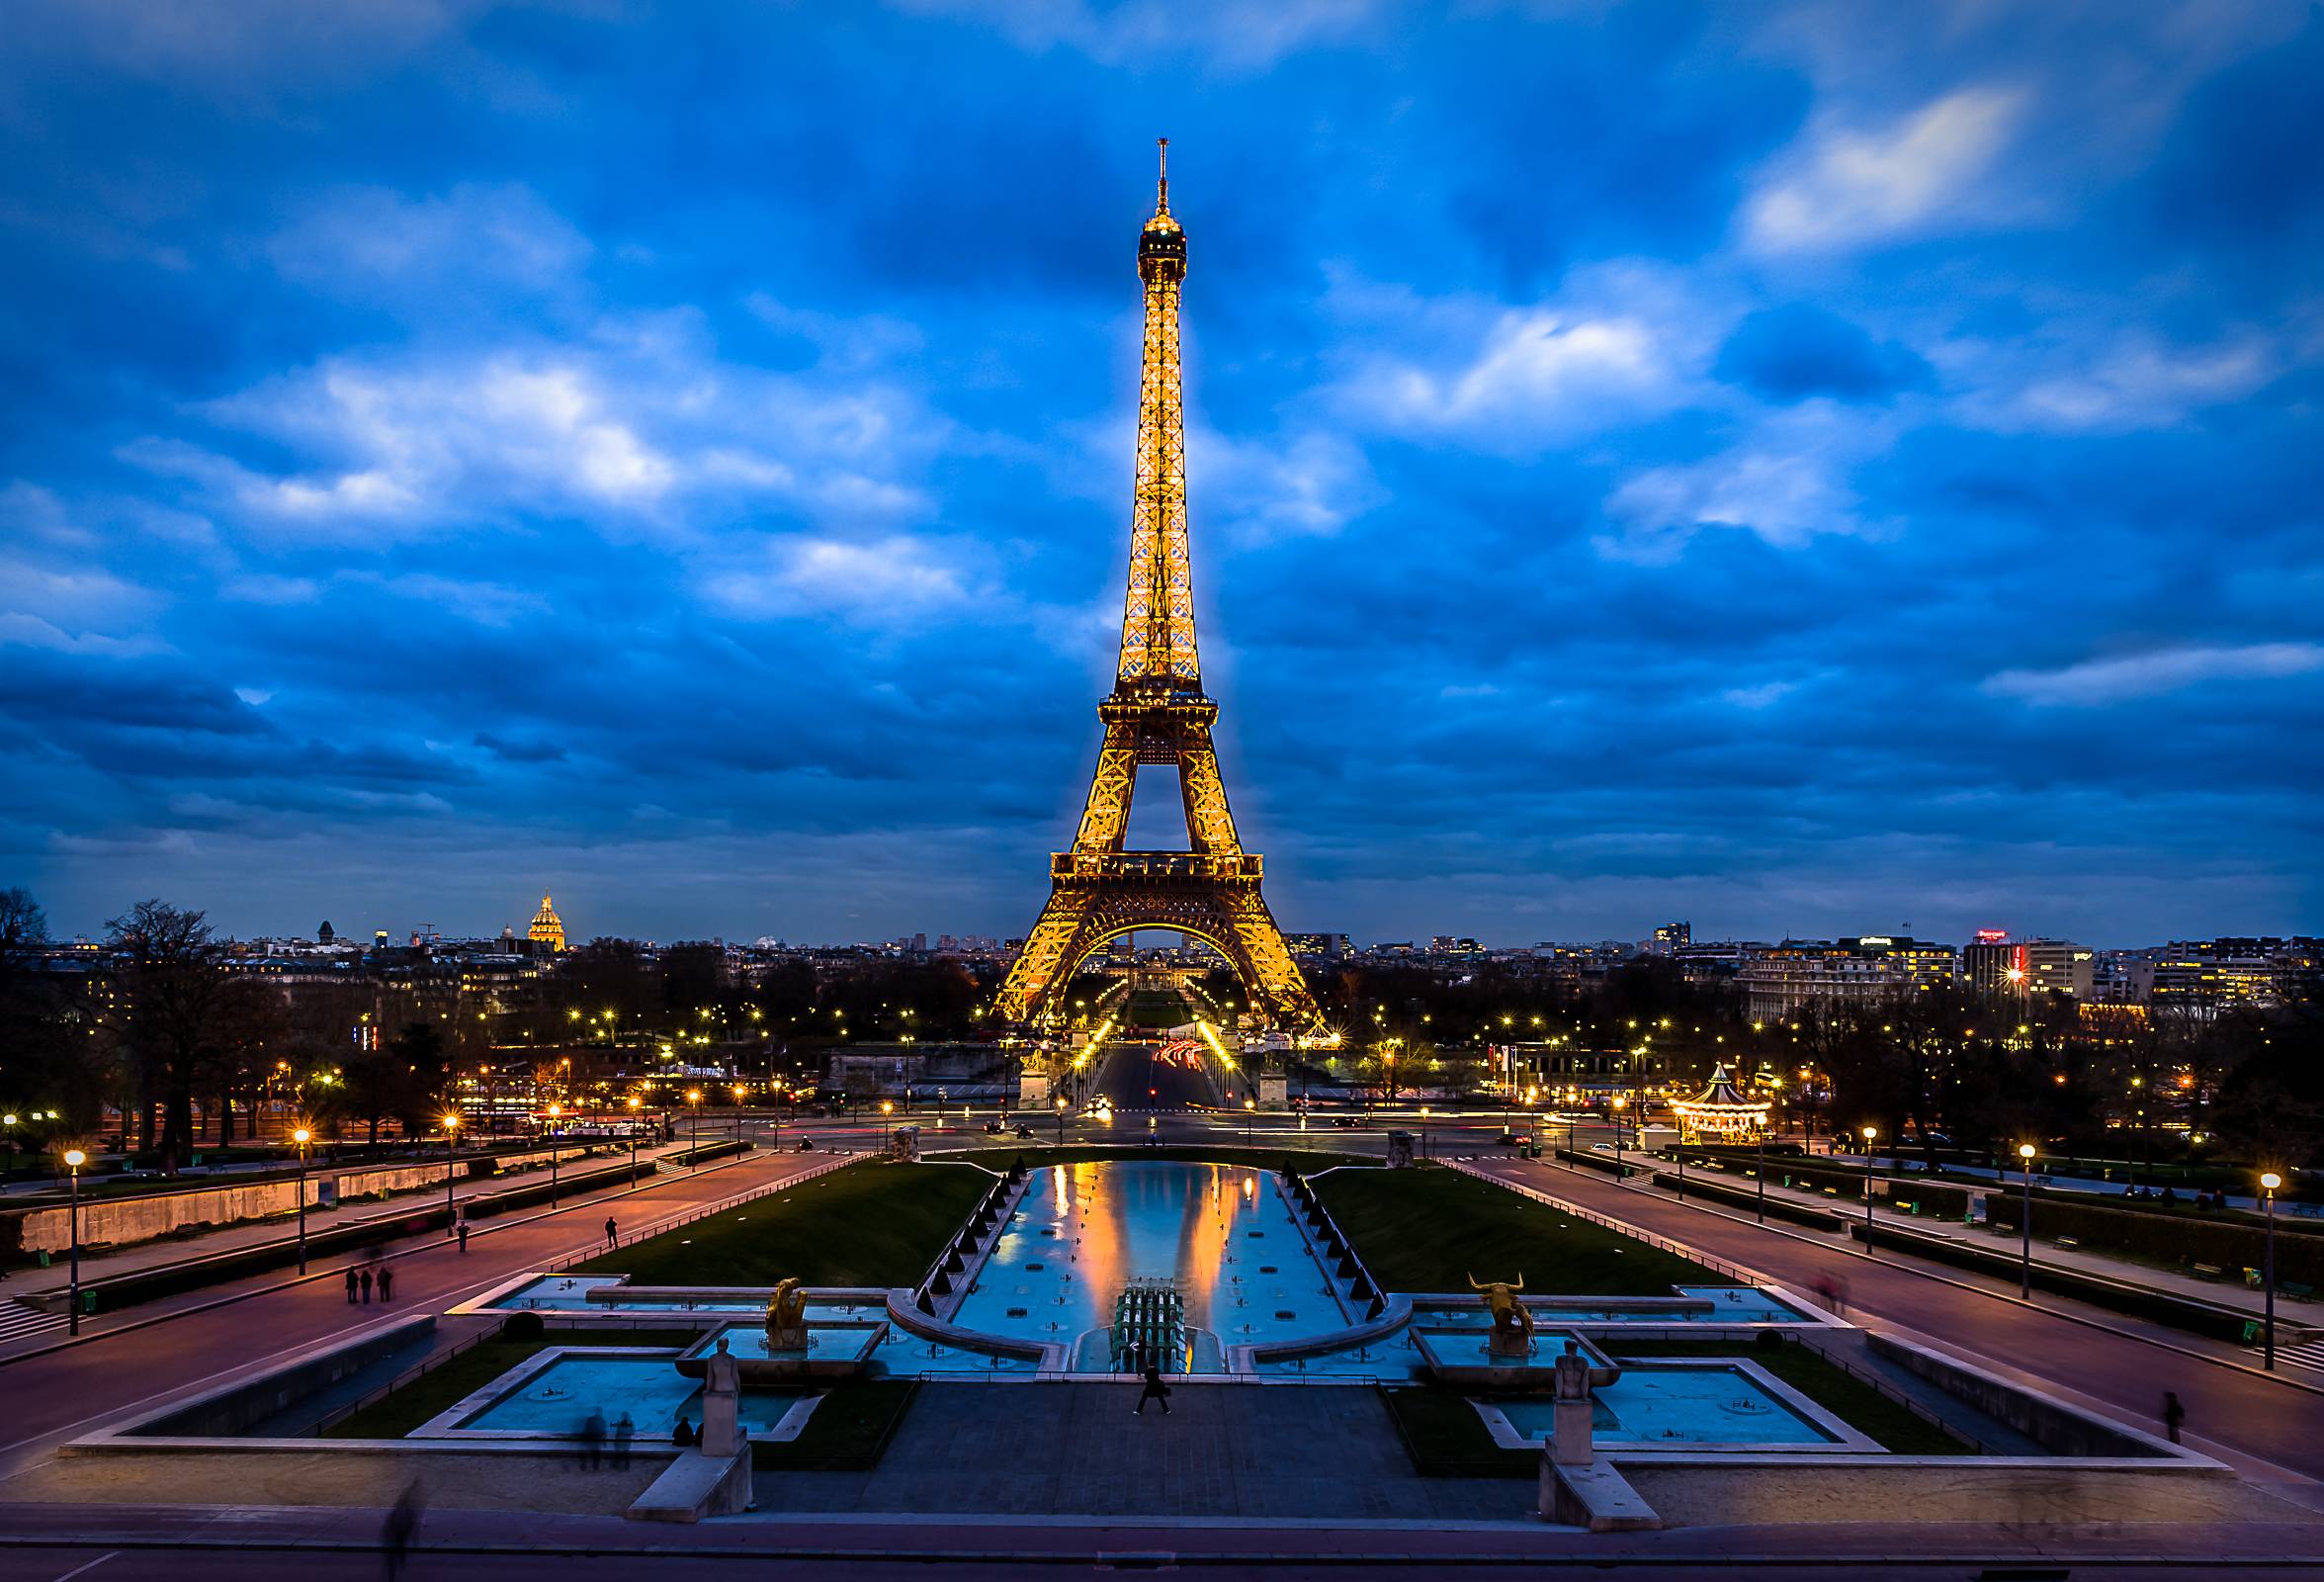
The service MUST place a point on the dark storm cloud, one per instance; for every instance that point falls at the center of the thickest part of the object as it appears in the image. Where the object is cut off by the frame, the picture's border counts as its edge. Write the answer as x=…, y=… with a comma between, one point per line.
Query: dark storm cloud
x=1790, y=353
x=1727, y=462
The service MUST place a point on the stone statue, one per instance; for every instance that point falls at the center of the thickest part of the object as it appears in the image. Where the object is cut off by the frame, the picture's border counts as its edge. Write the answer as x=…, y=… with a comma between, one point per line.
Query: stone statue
x=722, y=1400
x=787, y=1318
x=1513, y=1325
x=1573, y=1410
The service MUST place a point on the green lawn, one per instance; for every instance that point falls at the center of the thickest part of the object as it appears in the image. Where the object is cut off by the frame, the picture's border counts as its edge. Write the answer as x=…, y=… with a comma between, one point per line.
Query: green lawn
x=848, y=1431
x=1850, y=1399
x=870, y=1224
x=440, y=1386
x=1430, y=1228
x=1445, y=1438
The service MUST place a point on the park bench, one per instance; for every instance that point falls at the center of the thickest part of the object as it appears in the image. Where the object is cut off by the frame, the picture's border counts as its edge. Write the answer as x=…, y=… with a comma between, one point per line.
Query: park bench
x=2296, y=1290
x=2205, y=1271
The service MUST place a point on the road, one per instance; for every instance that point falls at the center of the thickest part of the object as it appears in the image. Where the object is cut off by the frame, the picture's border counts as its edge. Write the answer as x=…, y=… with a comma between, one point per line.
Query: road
x=1135, y=1077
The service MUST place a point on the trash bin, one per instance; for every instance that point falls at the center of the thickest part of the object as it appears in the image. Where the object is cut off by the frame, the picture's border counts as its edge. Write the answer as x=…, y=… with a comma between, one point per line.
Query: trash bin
x=43, y=1256
x=88, y=1302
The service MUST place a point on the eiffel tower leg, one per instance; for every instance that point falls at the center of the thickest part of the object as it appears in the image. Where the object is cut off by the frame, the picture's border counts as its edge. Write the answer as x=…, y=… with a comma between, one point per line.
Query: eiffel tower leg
x=1032, y=975
x=1106, y=817
x=1252, y=927
x=1210, y=825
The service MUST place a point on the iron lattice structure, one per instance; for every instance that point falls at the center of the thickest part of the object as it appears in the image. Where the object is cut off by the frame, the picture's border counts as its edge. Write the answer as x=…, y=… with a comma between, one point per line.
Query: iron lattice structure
x=1158, y=714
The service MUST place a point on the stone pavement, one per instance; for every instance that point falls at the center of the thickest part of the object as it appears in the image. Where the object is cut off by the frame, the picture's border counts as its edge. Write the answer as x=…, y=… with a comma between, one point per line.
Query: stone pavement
x=1251, y=1451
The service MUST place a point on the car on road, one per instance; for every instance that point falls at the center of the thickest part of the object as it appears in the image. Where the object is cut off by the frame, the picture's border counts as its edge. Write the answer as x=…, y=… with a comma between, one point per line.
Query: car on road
x=1346, y=1122
x=1024, y=1131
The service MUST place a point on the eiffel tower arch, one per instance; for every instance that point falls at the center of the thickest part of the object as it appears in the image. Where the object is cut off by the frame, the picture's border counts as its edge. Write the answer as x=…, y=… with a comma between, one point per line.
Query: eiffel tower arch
x=1157, y=713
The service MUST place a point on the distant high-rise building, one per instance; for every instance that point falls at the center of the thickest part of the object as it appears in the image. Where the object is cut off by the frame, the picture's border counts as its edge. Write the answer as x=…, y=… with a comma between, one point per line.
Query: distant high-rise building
x=1998, y=964
x=1670, y=937
x=324, y=934
x=1780, y=979
x=547, y=929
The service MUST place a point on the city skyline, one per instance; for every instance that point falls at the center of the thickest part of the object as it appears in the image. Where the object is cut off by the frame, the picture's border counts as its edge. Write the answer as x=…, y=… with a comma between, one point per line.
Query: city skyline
x=1814, y=498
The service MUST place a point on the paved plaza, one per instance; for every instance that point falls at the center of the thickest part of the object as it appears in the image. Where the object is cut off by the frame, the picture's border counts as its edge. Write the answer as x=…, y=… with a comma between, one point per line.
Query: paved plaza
x=1263, y=1451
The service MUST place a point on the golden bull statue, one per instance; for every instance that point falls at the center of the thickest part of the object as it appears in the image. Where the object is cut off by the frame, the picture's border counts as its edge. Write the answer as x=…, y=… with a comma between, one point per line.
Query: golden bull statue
x=786, y=1318
x=1513, y=1325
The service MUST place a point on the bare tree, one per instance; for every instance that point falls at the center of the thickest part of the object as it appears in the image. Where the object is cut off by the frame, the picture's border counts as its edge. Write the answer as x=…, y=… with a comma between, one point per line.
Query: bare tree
x=177, y=998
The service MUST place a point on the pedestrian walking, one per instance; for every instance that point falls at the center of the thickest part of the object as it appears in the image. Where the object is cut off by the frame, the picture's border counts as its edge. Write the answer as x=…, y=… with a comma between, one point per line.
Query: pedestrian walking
x=613, y=1232
x=387, y=1282
x=363, y=1275
x=396, y=1533
x=2174, y=1414
x=350, y=1284
x=592, y=1439
x=622, y=1432
x=1156, y=1390
x=463, y=1235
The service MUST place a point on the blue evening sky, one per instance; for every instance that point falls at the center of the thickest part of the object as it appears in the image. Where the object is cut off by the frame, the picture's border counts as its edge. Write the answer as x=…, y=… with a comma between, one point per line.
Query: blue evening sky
x=1802, y=466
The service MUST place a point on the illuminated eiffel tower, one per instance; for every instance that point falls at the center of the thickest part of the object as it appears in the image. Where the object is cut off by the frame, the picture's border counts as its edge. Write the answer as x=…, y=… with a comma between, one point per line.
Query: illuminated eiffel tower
x=1157, y=713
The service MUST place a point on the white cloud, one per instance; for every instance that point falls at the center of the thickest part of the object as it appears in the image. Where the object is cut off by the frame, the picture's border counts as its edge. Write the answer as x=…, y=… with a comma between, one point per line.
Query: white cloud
x=890, y=580
x=1617, y=344
x=1847, y=186
x=1788, y=497
x=2143, y=385
x=1229, y=33
x=2094, y=682
x=1308, y=487
x=1765, y=695
x=369, y=241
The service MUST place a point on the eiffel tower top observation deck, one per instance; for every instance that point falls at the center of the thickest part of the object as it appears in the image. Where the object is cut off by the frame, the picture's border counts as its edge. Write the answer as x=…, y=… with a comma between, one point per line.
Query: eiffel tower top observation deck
x=1156, y=713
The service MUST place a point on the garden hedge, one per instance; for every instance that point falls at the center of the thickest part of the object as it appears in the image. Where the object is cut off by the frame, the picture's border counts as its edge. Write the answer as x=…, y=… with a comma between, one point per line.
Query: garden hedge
x=2167, y=1238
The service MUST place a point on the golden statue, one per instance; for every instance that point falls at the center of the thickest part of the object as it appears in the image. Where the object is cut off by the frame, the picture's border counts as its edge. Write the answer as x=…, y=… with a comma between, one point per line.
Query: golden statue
x=787, y=1316
x=1513, y=1325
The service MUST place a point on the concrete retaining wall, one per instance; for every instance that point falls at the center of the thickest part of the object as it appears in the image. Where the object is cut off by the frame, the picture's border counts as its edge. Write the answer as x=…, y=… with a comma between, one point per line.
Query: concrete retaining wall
x=116, y=1221
x=230, y=1410
x=2051, y=1424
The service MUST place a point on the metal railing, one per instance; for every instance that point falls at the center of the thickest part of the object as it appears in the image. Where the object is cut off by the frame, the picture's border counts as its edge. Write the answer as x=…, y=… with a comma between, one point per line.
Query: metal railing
x=1889, y=1391
x=426, y=1364
x=663, y=1226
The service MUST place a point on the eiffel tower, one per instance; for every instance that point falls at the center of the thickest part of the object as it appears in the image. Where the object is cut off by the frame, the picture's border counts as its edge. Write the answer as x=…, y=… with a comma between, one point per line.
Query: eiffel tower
x=1157, y=713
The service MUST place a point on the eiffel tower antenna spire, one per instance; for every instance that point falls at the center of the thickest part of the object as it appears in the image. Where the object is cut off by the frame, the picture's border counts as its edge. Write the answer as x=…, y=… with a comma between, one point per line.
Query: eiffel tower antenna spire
x=1157, y=713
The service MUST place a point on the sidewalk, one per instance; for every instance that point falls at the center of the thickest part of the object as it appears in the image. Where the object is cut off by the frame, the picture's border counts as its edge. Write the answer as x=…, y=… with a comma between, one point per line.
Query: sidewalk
x=282, y=1229
x=2229, y=1293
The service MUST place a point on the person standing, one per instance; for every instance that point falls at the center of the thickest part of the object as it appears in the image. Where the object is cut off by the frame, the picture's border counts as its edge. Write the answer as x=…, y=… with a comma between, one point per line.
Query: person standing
x=387, y=1282
x=463, y=1235
x=622, y=1430
x=396, y=1533
x=350, y=1284
x=593, y=1438
x=613, y=1232
x=1156, y=1390
x=2174, y=1414
x=363, y=1275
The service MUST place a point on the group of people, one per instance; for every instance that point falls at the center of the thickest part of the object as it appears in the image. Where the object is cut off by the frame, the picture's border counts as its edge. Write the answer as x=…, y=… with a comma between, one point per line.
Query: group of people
x=362, y=1280
x=594, y=1434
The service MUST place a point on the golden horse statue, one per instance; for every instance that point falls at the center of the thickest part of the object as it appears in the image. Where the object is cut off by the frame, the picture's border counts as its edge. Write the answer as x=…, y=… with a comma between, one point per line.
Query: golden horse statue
x=787, y=1309
x=1513, y=1325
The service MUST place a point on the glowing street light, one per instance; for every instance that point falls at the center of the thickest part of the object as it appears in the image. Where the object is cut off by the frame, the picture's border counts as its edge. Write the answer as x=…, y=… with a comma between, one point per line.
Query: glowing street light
x=1870, y=1132
x=302, y=1137
x=451, y=1134
x=2025, y=1229
x=555, y=1130
x=74, y=1159
x=2271, y=1181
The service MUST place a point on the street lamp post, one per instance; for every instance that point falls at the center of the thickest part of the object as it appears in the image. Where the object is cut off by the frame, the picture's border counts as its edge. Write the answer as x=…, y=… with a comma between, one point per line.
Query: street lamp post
x=1870, y=1132
x=1060, y=1122
x=302, y=1137
x=451, y=1213
x=9, y=1120
x=555, y=1130
x=635, y=1104
x=2271, y=1181
x=2025, y=1226
x=1762, y=1174
x=1250, y=1114
x=694, y=1128
x=74, y=1159
x=887, y=1134
x=1617, y=1105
